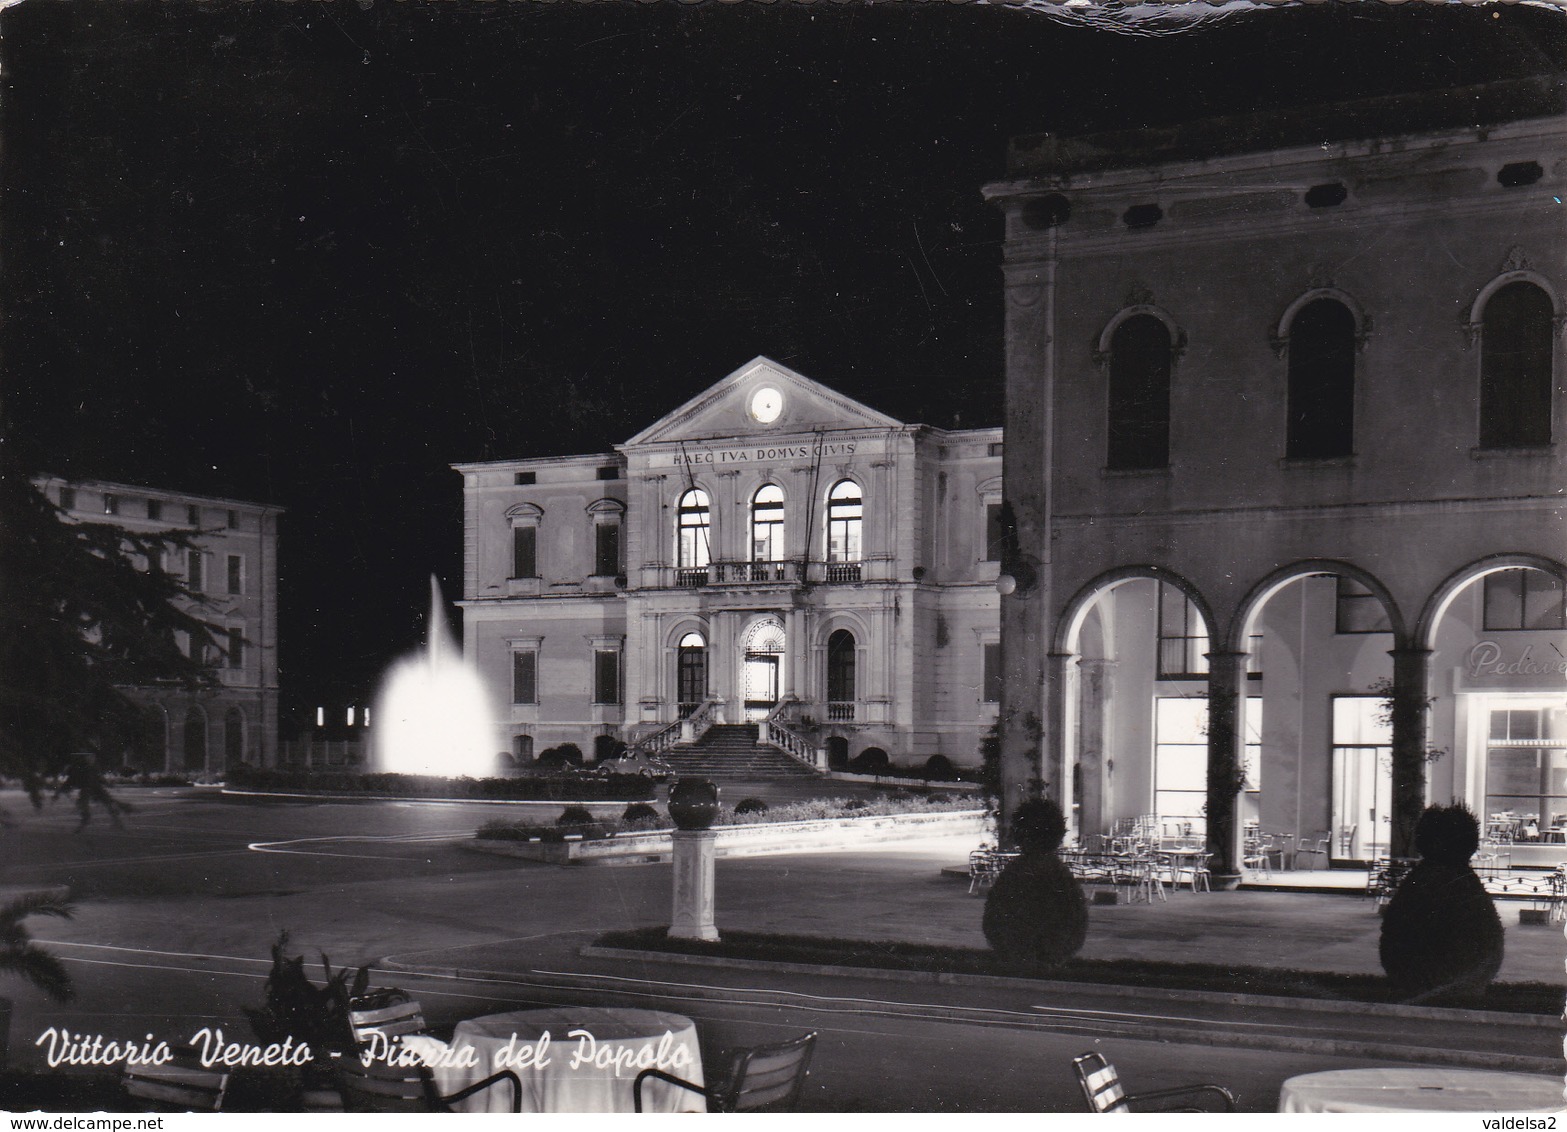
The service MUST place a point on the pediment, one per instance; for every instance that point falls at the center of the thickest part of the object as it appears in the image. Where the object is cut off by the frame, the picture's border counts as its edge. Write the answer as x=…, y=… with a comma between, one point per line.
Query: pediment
x=727, y=408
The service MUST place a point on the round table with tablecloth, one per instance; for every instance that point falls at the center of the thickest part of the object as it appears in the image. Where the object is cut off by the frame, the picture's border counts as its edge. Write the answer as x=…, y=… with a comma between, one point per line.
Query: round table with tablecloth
x=576, y=1059
x=1413, y=1089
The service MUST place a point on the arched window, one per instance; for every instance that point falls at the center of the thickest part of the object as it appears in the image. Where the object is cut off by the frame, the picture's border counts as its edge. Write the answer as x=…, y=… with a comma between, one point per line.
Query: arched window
x=845, y=520
x=233, y=737
x=840, y=676
x=767, y=524
x=1139, y=403
x=691, y=673
x=1515, y=368
x=694, y=528
x=1321, y=382
x=195, y=740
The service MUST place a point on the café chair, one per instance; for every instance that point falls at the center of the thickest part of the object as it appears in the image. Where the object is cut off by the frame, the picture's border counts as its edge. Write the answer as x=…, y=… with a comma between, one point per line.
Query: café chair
x=1102, y=1089
x=382, y=1086
x=390, y=1012
x=180, y=1085
x=762, y=1077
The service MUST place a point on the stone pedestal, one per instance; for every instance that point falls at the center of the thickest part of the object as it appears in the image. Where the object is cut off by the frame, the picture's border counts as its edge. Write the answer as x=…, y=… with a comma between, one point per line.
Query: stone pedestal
x=694, y=903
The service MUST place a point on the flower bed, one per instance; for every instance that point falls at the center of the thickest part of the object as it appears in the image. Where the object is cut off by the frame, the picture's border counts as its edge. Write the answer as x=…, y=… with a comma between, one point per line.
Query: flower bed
x=541, y=788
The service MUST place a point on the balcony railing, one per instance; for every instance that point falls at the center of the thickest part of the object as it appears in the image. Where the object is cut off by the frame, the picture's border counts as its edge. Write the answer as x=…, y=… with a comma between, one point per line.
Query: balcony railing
x=840, y=711
x=790, y=573
x=843, y=571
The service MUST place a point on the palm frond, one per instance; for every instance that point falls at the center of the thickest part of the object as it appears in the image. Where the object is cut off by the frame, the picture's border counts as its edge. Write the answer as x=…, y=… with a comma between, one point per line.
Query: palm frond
x=38, y=967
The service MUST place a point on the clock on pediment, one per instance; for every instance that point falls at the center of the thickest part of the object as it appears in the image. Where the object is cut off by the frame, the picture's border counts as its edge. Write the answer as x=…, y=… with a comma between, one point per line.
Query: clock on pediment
x=765, y=404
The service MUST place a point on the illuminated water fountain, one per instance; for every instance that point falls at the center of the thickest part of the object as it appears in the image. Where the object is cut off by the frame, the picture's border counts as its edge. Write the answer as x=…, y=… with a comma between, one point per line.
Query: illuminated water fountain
x=432, y=715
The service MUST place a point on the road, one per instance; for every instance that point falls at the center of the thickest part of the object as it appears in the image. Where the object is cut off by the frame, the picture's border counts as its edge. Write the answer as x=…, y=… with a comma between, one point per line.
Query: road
x=179, y=907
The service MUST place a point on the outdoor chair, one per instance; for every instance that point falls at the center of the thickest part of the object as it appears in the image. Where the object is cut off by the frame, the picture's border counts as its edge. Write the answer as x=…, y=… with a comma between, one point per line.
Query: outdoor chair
x=762, y=1077
x=983, y=867
x=390, y=1012
x=1102, y=1089
x=1312, y=849
x=383, y=1086
x=180, y=1085
x=1254, y=855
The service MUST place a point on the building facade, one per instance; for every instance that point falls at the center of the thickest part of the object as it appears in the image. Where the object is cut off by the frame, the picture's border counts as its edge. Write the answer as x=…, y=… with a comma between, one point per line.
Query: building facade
x=1287, y=428
x=769, y=551
x=232, y=567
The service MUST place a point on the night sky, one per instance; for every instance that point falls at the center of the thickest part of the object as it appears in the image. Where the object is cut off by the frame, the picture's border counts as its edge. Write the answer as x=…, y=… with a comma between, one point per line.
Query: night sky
x=311, y=253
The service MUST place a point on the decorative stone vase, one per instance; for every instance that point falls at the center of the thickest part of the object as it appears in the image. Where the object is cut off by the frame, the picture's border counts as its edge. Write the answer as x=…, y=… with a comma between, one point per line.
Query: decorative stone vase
x=693, y=803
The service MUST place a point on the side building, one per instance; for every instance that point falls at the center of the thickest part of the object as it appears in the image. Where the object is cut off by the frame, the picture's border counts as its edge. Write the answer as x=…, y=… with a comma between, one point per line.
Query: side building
x=233, y=568
x=1286, y=413
x=771, y=553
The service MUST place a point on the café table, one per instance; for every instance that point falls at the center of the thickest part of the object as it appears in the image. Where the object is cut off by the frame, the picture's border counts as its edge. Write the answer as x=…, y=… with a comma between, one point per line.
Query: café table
x=1419, y=1089
x=592, y=1057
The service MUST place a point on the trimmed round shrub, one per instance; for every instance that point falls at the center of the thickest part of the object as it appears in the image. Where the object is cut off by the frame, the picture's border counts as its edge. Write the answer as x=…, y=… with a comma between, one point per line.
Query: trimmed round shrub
x=575, y=815
x=638, y=811
x=751, y=806
x=1036, y=914
x=570, y=753
x=940, y=768
x=872, y=760
x=1441, y=936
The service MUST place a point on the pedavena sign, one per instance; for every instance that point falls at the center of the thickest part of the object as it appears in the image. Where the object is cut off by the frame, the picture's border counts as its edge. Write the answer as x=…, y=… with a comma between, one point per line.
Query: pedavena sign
x=1489, y=659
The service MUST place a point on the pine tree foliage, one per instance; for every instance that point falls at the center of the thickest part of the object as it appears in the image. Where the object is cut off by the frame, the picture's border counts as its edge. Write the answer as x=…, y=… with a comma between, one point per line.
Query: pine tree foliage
x=87, y=611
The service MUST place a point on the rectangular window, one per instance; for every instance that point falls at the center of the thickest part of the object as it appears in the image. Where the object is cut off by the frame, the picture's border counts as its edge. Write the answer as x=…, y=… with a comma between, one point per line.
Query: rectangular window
x=236, y=574
x=68, y=498
x=154, y=510
x=611, y=472
x=606, y=677
x=1523, y=599
x=524, y=552
x=1181, y=755
x=236, y=650
x=193, y=515
x=991, y=679
x=1183, y=642
x=606, y=549
x=233, y=520
x=996, y=448
x=1362, y=777
x=995, y=533
x=1526, y=773
x=1358, y=610
x=525, y=677
x=111, y=504
x=193, y=578
x=522, y=479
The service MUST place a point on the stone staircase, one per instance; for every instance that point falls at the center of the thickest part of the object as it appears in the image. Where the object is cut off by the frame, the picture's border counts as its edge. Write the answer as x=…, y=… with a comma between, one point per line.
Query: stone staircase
x=731, y=751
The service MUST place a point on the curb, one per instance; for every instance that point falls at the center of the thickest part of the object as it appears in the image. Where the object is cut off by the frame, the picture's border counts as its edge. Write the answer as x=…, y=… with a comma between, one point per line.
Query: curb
x=1218, y=1035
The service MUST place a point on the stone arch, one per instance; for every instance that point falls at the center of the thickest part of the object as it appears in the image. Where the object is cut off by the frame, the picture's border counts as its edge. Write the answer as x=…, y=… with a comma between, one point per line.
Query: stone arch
x=1070, y=622
x=1239, y=630
x=1127, y=313
x=1442, y=597
x=1279, y=336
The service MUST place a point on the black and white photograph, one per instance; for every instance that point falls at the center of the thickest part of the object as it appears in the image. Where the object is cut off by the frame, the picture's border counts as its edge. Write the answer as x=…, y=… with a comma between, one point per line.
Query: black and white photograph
x=763, y=555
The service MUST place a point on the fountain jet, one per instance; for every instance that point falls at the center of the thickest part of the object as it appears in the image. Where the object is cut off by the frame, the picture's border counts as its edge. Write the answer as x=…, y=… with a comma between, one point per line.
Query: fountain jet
x=432, y=714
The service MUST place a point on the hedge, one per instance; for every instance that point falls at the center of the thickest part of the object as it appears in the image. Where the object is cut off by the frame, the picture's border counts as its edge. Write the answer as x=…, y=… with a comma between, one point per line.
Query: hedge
x=543, y=788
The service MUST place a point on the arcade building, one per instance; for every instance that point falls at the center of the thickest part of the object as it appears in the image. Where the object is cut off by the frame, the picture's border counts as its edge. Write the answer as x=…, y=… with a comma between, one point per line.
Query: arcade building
x=1287, y=443
x=771, y=553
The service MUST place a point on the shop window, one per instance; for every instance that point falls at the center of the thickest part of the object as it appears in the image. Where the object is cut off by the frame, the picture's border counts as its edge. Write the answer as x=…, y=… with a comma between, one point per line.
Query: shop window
x=1523, y=599
x=1183, y=639
x=1515, y=368
x=1362, y=777
x=1358, y=610
x=1181, y=756
x=1321, y=410
x=525, y=676
x=606, y=676
x=1526, y=773
x=1139, y=395
x=990, y=679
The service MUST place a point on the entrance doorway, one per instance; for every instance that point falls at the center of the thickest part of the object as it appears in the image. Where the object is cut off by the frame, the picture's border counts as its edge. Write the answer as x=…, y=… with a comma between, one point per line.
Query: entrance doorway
x=762, y=674
x=1362, y=778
